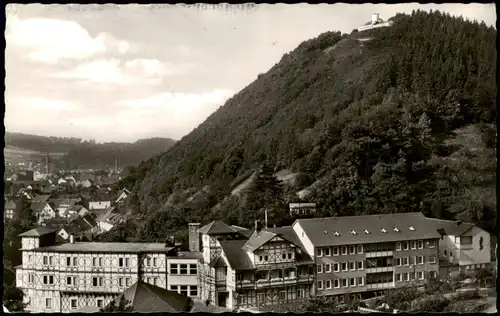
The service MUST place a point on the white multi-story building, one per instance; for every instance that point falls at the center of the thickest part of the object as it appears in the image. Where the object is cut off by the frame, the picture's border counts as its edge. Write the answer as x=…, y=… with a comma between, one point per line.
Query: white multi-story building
x=70, y=276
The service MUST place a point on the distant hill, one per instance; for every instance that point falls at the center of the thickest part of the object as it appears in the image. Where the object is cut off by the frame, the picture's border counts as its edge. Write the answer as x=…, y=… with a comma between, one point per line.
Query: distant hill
x=389, y=124
x=78, y=153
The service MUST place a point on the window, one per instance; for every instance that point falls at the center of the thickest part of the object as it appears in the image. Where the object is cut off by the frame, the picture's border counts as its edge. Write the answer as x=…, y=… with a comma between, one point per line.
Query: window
x=445, y=253
x=344, y=266
x=405, y=245
x=360, y=265
x=155, y=281
x=282, y=295
x=451, y=254
x=361, y=281
x=97, y=281
x=283, y=256
x=360, y=248
x=398, y=277
x=173, y=268
x=74, y=303
x=336, y=267
x=420, y=244
x=193, y=290
x=352, y=282
x=100, y=303
x=173, y=288
x=71, y=280
x=352, y=265
x=432, y=259
x=328, y=284
x=48, y=279
x=290, y=255
x=421, y=275
x=406, y=262
x=68, y=261
x=148, y=280
x=266, y=258
x=344, y=250
x=420, y=260
x=398, y=246
x=148, y=261
x=319, y=268
x=344, y=282
x=45, y=260
x=328, y=268
x=320, y=285
x=30, y=258
x=155, y=263
x=127, y=262
x=192, y=269
x=48, y=303
x=398, y=262
x=184, y=290
x=406, y=276
x=319, y=252
x=432, y=274
x=412, y=275
x=120, y=282
x=336, y=283
x=261, y=297
x=432, y=243
x=335, y=251
x=300, y=293
x=31, y=278
x=94, y=262
x=413, y=244
x=352, y=250
x=120, y=262
x=127, y=282
x=413, y=260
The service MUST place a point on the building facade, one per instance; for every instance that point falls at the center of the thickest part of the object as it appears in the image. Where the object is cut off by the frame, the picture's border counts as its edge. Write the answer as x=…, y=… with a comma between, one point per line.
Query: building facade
x=70, y=276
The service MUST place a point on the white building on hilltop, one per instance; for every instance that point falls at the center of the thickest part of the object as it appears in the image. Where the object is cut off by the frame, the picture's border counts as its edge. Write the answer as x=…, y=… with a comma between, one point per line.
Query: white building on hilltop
x=375, y=23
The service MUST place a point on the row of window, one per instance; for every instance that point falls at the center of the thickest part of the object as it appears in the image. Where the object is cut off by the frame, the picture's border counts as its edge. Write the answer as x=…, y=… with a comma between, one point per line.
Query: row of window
x=338, y=283
x=96, y=281
x=73, y=303
x=406, y=261
x=183, y=269
x=414, y=244
x=284, y=256
x=188, y=290
x=345, y=266
x=96, y=262
x=358, y=249
x=411, y=276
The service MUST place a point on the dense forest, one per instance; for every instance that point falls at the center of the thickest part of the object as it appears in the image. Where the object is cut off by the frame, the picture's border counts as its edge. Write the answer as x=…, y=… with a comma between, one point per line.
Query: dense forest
x=81, y=153
x=395, y=119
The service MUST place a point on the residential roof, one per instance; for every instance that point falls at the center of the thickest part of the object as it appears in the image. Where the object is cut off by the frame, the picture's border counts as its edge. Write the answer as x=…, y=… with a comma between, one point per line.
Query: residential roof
x=257, y=240
x=453, y=228
x=188, y=255
x=200, y=306
x=10, y=205
x=321, y=231
x=41, y=198
x=244, y=231
x=37, y=207
x=237, y=258
x=289, y=234
x=147, y=298
x=217, y=227
x=38, y=232
x=107, y=247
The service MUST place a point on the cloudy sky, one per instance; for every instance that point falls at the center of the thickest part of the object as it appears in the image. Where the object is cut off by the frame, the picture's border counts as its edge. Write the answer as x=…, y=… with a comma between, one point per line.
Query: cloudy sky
x=120, y=73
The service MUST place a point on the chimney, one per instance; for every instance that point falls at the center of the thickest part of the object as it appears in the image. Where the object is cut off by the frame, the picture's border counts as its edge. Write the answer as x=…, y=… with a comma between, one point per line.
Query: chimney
x=71, y=239
x=257, y=226
x=459, y=223
x=46, y=162
x=265, y=218
x=194, y=237
x=374, y=18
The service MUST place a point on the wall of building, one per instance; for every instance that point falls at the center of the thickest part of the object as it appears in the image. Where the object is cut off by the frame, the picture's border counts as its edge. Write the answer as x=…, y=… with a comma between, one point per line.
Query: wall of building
x=475, y=254
x=306, y=242
x=177, y=280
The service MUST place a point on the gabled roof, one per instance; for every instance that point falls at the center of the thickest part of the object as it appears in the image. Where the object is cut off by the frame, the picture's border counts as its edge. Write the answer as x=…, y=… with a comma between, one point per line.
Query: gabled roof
x=257, y=240
x=41, y=198
x=287, y=233
x=37, y=207
x=147, y=298
x=38, y=232
x=237, y=258
x=452, y=228
x=244, y=231
x=321, y=231
x=217, y=227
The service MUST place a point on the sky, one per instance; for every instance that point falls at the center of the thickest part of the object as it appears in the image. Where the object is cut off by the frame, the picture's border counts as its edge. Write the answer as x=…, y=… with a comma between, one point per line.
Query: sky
x=122, y=73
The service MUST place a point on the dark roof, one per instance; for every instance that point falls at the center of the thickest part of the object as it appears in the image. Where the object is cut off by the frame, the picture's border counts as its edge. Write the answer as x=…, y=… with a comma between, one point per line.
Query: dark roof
x=217, y=227
x=41, y=198
x=107, y=247
x=70, y=202
x=244, y=231
x=188, y=255
x=37, y=207
x=452, y=228
x=147, y=298
x=321, y=230
x=237, y=257
x=200, y=306
x=38, y=232
x=257, y=240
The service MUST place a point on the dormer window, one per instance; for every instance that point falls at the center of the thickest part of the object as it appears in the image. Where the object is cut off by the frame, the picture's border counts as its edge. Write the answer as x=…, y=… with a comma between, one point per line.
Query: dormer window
x=396, y=229
x=383, y=230
x=353, y=232
x=366, y=231
x=411, y=228
x=326, y=232
x=336, y=233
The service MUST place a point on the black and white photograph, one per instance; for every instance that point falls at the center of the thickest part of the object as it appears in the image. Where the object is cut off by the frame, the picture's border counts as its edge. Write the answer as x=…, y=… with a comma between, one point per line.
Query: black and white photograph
x=258, y=158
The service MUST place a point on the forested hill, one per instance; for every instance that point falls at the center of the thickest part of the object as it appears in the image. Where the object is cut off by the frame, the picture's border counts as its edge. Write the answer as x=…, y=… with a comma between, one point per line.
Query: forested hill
x=401, y=122
x=81, y=153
